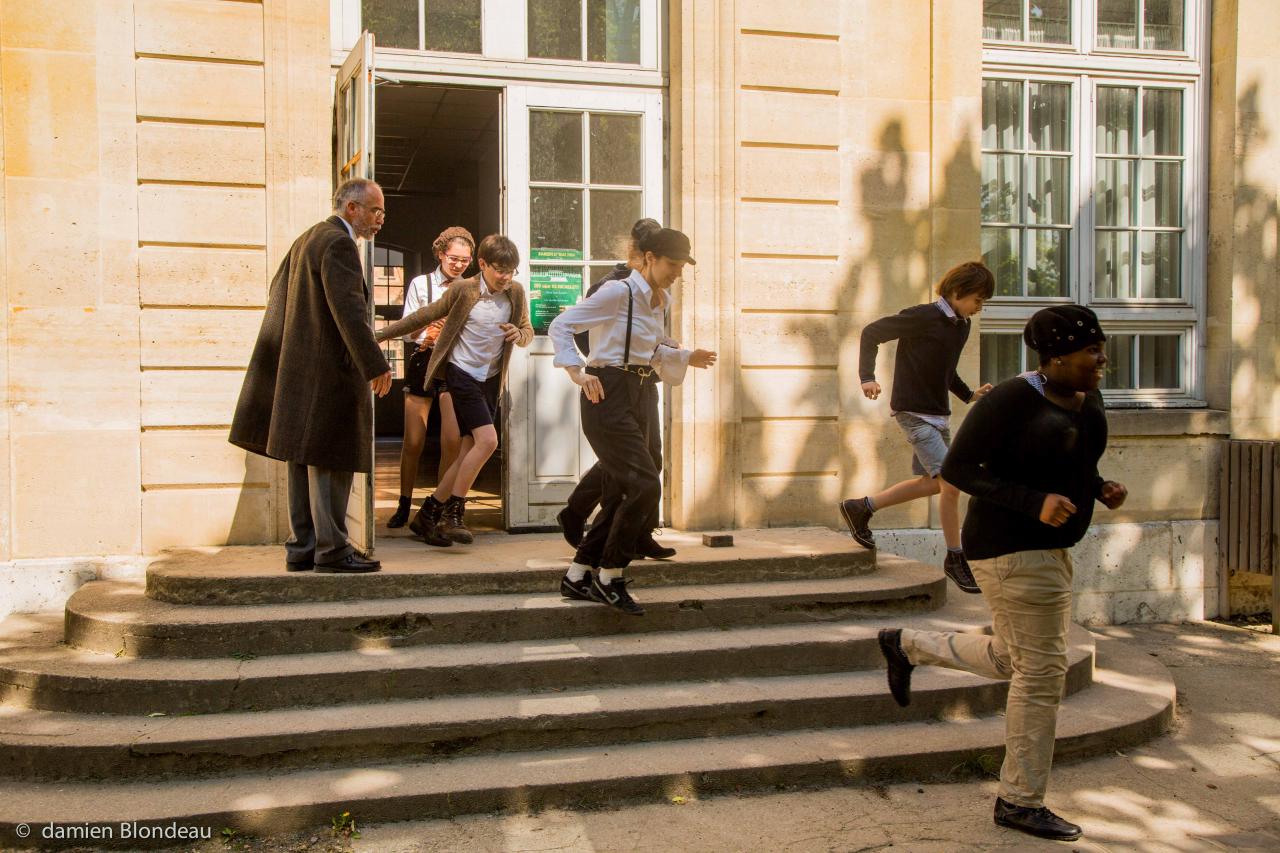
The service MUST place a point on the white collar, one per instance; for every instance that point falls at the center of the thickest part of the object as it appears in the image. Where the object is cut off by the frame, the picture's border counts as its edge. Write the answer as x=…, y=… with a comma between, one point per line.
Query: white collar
x=645, y=289
x=945, y=307
x=347, y=225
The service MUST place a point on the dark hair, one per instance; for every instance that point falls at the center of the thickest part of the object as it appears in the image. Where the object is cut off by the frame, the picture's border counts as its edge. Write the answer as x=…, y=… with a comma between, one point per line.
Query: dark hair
x=448, y=235
x=497, y=250
x=967, y=279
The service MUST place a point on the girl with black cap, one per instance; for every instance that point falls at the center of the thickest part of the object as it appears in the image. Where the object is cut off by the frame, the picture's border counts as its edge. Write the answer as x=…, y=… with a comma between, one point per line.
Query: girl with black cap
x=627, y=322
x=1028, y=455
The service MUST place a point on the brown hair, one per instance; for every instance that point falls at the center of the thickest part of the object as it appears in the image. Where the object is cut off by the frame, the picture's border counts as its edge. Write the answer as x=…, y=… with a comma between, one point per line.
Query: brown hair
x=498, y=251
x=971, y=277
x=448, y=235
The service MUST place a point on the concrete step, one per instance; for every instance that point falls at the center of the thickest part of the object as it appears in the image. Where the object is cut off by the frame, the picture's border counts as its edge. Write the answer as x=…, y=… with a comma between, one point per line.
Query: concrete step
x=38, y=671
x=1130, y=701
x=115, y=617
x=51, y=745
x=498, y=563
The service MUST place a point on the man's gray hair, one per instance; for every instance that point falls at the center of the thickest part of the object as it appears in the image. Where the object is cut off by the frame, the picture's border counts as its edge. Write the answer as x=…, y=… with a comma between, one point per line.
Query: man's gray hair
x=352, y=189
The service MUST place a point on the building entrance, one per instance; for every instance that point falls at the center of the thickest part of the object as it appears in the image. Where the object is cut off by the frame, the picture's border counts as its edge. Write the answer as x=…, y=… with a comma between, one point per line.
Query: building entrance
x=439, y=163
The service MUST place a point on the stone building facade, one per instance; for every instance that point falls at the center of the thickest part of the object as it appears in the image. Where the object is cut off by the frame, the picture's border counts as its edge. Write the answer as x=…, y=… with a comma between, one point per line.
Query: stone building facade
x=829, y=160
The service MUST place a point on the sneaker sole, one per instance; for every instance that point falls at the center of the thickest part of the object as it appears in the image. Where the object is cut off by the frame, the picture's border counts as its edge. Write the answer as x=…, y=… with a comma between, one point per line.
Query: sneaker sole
x=869, y=543
x=972, y=590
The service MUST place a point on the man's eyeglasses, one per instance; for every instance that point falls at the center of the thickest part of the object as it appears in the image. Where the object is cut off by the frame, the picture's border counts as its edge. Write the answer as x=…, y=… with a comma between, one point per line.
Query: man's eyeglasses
x=503, y=270
x=378, y=212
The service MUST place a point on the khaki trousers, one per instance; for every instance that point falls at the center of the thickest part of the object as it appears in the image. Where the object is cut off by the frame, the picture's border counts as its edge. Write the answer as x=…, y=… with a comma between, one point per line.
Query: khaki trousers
x=1029, y=593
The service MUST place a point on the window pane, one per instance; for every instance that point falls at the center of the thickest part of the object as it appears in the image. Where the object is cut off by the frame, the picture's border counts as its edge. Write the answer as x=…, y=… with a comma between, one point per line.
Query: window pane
x=1114, y=194
x=1161, y=264
x=1160, y=361
x=1049, y=191
x=1050, y=22
x=613, y=31
x=1162, y=25
x=1001, y=186
x=1161, y=193
x=1118, y=24
x=555, y=147
x=1001, y=114
x=1000, y=254
x=555, y=29
x=1116, y=120
x=1119, y=370
x=394, y=23
x=615, y=149
x=612, y=215
x=1162, y=121
x=1002, y=20
x=1113, y=264
x=1000, y=357
x=453, y=25
x=1050, y=107
x=555, y=220
x=1047, y=269
x=597, y=272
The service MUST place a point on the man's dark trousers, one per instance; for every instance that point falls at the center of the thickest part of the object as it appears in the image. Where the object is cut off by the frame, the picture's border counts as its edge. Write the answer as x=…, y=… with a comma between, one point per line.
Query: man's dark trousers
x=317, y=514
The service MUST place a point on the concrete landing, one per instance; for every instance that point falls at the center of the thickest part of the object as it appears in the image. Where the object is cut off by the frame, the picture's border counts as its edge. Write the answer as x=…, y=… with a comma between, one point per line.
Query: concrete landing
x=496, y=564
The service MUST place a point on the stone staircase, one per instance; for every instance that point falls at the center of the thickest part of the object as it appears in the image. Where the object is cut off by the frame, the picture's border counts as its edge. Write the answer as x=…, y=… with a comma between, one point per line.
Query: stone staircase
x=226, y=693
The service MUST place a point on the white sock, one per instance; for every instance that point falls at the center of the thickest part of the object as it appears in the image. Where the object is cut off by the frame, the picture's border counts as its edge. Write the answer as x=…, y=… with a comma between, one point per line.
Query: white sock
x=577, y=572
x=608, y=576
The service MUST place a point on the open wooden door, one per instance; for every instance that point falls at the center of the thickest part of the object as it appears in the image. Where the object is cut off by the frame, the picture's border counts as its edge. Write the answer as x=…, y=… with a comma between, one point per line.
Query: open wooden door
x=353, y=158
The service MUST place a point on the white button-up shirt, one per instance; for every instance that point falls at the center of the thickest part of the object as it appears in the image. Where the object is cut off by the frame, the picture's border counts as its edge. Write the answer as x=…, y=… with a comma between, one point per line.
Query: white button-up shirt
x=478, y=351
x=422, y=290
x=604, y=316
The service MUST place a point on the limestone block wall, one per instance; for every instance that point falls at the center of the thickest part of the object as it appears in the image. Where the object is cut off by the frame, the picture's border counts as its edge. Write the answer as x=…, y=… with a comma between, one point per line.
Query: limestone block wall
x=160, y=155
x=826, y=159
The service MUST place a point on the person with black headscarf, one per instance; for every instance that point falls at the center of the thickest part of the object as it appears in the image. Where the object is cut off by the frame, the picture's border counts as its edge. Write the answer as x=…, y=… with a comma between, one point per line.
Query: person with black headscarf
x=1028, y=455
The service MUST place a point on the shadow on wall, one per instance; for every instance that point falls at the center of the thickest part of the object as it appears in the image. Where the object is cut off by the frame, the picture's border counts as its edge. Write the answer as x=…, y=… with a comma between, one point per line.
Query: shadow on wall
x=819, y=431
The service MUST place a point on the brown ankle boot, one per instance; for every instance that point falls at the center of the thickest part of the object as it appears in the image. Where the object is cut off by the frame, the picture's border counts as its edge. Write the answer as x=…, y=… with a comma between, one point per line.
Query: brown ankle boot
x=451, y=525
x=427, y=523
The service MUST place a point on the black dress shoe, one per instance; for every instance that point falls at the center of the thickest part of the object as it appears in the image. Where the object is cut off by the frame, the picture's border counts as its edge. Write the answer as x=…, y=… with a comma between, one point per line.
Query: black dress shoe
x=1039, y=822
x=298, y=565
x=896, y=663
x=572, y=525
x=352, y=564
x=649, y=547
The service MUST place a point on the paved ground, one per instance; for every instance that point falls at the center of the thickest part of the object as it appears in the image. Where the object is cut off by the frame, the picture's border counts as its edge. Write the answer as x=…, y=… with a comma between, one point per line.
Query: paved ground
x=1211, y=784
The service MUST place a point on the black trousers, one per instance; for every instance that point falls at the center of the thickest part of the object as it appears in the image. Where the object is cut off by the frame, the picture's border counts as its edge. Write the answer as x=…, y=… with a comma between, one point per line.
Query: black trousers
x=586, y=496
x=317, y=514
x=620, y=429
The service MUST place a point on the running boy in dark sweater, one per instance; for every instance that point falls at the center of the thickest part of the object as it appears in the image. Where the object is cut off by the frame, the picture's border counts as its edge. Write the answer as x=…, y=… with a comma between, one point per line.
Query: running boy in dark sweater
x=930, y=338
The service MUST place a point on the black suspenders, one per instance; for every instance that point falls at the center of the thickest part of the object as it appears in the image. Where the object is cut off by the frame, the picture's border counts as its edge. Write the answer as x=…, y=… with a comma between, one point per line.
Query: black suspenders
x=626, y=353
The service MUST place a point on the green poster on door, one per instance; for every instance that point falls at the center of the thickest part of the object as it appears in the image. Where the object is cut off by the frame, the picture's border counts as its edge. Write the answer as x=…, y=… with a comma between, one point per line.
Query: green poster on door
x=550, y=292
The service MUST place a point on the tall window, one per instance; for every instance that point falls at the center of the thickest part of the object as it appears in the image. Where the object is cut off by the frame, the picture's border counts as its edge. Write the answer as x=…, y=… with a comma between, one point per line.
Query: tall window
x=1091, y=185
x=449, y=26
x=590, y=30
x=388, y=300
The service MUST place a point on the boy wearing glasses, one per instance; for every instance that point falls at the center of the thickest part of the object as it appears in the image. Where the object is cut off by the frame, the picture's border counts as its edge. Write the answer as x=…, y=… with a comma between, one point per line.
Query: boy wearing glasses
x=484, y=317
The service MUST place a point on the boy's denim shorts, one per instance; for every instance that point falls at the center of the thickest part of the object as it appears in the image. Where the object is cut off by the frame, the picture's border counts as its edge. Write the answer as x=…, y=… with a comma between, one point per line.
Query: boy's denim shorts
x=928, y=443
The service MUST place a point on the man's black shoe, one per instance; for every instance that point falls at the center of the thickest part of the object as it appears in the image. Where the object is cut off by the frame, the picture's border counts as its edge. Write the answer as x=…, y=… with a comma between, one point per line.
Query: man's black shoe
x=1039, y=822
x=856, y=515
x=957, y=568
x=576, y=590
x=401, y=514
x=426, y=524
x=352, y=564
x=298, y=565
x=614, y=593
x=571, y=525
x=898, y=666
x=649, y=547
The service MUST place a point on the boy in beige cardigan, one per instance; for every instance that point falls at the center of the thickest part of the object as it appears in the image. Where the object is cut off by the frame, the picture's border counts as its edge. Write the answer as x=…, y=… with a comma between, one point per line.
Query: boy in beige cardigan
x=485, y=317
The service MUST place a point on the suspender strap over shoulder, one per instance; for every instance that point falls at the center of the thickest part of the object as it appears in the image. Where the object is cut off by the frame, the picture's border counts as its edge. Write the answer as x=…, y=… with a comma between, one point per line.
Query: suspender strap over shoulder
x=626, y=352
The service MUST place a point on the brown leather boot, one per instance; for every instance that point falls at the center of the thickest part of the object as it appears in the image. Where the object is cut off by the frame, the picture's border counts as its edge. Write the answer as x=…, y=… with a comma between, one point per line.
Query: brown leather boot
x=427, y=523
x=451, y=525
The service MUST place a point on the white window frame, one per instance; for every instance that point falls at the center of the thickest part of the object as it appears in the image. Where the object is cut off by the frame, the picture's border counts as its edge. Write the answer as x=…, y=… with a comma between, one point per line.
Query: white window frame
x=1085, y=68
x=505, y=49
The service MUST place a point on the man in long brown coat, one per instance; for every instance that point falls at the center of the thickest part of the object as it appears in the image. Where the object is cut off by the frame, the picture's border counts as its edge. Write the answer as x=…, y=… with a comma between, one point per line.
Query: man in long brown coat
x=305, y=399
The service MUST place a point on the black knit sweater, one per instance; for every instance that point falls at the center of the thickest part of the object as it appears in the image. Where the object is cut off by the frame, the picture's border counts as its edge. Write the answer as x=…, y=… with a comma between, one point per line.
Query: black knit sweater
x=1015, y=448
x=929, y=345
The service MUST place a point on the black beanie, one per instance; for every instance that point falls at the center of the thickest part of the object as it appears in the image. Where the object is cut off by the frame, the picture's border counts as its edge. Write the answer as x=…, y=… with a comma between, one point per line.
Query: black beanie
x=1062, y=329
